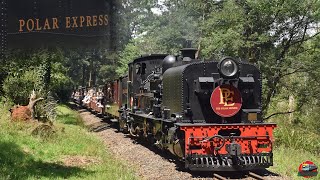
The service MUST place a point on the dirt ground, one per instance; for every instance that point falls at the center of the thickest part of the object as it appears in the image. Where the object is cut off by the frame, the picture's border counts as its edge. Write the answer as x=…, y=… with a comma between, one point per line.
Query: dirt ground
x=148, y=162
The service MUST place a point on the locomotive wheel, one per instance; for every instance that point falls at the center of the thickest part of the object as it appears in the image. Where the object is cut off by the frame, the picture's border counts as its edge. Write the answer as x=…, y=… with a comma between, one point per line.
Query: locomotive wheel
x=122, y=127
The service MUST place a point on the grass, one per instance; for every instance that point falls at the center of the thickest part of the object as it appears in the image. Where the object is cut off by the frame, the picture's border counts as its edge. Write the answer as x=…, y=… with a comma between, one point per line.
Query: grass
x=287, y=161
x=294, y=144
x=297, y=138
x=61, y=156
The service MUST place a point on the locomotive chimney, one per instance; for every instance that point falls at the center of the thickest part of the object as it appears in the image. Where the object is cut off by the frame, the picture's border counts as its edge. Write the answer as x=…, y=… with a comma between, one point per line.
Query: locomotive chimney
x=188, y=53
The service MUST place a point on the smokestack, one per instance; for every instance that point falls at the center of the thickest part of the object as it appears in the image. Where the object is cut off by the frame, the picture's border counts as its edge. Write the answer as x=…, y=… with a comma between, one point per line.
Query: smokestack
x=189, y=52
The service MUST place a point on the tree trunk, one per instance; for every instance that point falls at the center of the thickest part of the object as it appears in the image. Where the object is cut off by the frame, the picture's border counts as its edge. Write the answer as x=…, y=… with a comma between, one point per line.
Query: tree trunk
x=24, y=113
x=83, y=75
x=90, y=72
x=32, y=103
x=291, y=108
x=47, y=76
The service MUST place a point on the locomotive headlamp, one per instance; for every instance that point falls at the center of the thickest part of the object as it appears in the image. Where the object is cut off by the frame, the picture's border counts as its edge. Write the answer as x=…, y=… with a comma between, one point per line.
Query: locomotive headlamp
x=228, y=67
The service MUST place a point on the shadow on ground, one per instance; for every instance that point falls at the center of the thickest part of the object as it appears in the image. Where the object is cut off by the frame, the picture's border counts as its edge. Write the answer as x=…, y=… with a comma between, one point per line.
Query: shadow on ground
x=18, y=164
x=98, y=127
x=69, y=119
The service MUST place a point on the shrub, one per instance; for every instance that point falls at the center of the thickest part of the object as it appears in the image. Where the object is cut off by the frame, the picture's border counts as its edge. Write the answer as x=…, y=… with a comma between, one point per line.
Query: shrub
x=46, y=110
x=297, y=138
x=62, y=86
x=17, y=87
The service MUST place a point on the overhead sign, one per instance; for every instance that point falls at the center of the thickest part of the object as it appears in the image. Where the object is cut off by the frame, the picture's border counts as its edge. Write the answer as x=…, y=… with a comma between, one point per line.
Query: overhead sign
x=226, y=100
x=68, y=22
x=47, y=23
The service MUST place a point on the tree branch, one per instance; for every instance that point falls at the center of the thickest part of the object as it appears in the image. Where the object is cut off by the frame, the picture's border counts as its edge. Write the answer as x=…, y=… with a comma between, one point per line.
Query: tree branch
x=293, y=72
x=278, y=113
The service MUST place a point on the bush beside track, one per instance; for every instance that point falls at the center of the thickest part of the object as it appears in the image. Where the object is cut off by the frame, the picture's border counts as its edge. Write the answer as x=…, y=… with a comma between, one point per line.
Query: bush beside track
x=69, y=153
x=294, y=145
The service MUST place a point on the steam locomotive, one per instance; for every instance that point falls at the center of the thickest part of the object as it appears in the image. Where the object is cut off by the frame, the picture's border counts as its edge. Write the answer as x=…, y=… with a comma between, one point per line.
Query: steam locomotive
x=208, y=113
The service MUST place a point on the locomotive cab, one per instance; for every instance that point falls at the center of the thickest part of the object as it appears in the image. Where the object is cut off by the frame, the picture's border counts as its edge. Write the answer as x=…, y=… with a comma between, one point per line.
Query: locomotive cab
x=144, y=78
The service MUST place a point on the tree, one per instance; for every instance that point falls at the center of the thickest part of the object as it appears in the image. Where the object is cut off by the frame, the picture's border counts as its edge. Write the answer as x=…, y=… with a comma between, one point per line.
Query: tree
x=268, y=33
x=130, y=52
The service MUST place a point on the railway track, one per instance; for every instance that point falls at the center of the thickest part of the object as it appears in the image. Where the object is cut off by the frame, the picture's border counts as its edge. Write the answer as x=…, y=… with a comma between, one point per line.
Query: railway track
x=219, y=177
x=256, y=176
x=242, y=175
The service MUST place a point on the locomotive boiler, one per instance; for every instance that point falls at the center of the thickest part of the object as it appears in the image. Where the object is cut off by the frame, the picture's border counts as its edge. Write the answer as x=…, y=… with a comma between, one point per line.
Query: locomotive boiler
x=207, y=113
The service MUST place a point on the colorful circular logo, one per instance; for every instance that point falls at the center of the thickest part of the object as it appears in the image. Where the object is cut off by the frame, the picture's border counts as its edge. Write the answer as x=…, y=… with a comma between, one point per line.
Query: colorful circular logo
x=226, y=100
x=308, y=169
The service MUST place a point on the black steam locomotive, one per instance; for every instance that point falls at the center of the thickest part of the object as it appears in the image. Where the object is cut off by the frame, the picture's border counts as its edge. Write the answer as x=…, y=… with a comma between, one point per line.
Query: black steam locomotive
x=208, y=113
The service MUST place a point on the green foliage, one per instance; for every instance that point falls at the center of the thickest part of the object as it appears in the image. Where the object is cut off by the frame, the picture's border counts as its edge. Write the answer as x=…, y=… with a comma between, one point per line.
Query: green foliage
x=298, y=130
x=130, y=52
x=45, y=111
x=18, y=87
x=297, y=138
x=171, y=31
x=269, y=33
x=166, y=32
x=106, y=73
x=62, y=86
